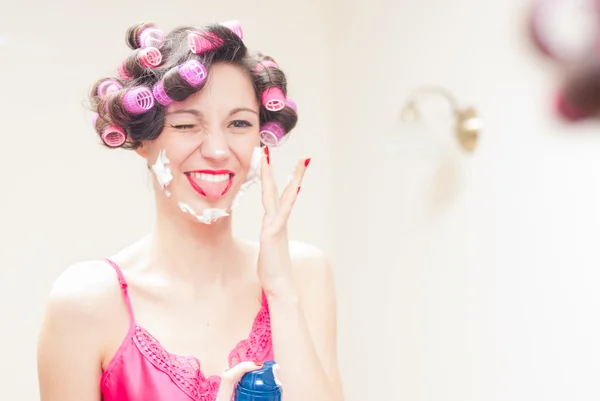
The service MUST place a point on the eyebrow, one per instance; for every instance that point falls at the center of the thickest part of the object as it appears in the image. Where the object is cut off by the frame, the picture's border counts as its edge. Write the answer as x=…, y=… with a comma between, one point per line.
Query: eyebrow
x=198, y=113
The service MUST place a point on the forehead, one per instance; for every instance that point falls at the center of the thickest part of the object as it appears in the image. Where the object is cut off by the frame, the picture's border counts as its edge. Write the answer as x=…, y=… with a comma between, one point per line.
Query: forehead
x=226, y=88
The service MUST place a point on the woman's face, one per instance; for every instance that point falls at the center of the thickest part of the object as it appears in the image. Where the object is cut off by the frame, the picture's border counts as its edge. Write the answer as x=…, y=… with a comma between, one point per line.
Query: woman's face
x=207, y=143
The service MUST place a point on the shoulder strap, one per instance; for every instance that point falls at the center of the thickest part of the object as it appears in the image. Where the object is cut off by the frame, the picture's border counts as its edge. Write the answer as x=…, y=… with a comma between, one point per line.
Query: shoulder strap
x=123, y=285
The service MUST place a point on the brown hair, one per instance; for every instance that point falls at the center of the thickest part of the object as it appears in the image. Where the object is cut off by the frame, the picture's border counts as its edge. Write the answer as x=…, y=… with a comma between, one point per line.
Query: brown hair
x=229, y=48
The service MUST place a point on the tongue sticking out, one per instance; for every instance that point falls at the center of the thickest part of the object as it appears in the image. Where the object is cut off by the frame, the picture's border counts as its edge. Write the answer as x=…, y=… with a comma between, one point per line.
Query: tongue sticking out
x=213, y=190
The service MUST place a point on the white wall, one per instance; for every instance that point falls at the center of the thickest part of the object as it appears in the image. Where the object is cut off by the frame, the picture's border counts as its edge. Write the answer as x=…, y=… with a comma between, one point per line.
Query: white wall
x=475, y=277
x=459, y=278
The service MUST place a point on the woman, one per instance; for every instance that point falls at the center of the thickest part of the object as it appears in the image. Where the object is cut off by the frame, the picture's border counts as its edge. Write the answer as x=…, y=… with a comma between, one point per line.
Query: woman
x=196, y=105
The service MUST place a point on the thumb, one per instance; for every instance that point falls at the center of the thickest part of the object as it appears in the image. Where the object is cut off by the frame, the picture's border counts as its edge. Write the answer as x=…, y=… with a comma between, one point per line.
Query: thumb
x=232, y=376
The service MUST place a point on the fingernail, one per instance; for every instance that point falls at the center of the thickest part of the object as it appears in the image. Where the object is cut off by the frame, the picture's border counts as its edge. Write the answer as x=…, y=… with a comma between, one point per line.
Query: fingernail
x=268, y=156
x=306, y=162
x=298, y=190
x=258, y=363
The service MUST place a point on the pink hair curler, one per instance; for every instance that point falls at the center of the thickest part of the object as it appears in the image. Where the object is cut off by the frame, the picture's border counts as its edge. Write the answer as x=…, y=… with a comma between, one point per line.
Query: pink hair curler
x=200, y=44
x=272, y=133
x=291, y=104
x=122, y=71
x=235, y=27
x=192, y=72
x=95, y=119
x=113, y=136
x=151, y=37
x=138, y=100
x=107, y=87
x=264, y=64
x=273, y=99
x=149, y=57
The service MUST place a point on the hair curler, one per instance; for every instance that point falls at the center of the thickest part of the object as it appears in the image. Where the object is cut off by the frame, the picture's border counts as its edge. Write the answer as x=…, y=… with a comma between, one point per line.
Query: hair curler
x=138, y=100
x=151, y=37
x=273, y=99
x=272, y=133
x=235, y=27
x=192, y=72
x=107, y=87
x=199, y=44
x=291, y=104
x=149, y=57
x=113, y=136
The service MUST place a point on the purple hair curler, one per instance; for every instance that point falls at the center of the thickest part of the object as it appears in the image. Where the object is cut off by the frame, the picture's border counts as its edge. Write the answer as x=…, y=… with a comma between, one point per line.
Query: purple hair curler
x=291, y=104
x=113, y=136
x=235, y=27
x=264, y=64
x=192, y=72
x=272, y=133
x=151, y=37
x=273, y=99
x=160, y=94
x=138, y=100
x=149, y=57
x=107, y=87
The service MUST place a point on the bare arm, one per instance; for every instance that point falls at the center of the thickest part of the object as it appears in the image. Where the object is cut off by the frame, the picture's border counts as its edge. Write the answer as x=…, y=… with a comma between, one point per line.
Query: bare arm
x=303, y=324
x=69, y=345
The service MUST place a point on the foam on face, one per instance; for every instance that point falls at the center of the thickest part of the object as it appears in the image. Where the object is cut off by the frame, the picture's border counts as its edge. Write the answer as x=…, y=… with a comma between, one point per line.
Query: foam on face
x=208, y=216
x=162, y=171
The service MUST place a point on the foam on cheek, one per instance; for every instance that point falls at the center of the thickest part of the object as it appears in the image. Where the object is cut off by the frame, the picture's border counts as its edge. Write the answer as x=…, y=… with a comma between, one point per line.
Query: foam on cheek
x=162, y=171
x=208, y=216
x=252, y=177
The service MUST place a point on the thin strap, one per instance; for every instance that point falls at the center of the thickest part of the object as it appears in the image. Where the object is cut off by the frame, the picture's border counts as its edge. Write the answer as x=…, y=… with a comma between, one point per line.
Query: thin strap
x=123, y=284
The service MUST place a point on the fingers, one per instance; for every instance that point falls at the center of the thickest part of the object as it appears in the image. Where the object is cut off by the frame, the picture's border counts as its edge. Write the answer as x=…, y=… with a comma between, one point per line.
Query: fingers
x=270, y=195
x=232, y=376
x=290, y=193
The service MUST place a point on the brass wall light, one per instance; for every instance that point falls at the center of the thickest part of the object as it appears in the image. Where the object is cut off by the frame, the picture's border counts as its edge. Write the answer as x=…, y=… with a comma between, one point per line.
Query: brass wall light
x=467, y=123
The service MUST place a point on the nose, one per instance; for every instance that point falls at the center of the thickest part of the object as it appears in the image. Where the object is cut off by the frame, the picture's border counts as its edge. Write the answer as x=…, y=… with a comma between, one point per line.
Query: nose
x=215, y=147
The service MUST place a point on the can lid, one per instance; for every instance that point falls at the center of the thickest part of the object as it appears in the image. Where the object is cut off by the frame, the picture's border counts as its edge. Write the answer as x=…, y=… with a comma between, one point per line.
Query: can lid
x=263, y=380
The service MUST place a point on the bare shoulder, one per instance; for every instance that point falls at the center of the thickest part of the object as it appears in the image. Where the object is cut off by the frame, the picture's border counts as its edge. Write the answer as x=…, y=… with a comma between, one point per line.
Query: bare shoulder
x=84, y=285
x=83, y=296
x=309, y=262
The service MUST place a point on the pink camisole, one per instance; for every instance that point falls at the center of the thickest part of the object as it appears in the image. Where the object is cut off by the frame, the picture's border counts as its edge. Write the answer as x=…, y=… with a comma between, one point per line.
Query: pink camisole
x=143, y=370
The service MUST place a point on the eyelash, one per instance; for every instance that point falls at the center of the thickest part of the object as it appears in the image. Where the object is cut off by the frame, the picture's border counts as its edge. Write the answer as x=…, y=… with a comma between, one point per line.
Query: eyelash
x=245, y=124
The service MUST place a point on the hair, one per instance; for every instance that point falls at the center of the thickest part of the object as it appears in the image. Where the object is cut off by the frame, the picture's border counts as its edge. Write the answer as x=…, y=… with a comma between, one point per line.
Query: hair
x=579, y=97
x=138, y=72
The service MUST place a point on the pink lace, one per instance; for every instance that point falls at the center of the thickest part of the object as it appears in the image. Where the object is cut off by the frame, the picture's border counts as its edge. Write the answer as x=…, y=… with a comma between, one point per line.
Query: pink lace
x=185, y=371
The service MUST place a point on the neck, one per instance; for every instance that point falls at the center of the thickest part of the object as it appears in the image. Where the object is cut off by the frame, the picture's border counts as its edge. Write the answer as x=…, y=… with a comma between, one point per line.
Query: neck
x=192, y=251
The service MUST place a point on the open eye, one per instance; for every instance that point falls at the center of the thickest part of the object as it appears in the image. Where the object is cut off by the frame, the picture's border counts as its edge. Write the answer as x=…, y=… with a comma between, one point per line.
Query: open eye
x=240, y=124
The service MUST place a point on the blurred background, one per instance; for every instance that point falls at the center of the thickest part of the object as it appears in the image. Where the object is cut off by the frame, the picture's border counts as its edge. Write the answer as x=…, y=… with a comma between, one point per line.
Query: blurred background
x=463, y=273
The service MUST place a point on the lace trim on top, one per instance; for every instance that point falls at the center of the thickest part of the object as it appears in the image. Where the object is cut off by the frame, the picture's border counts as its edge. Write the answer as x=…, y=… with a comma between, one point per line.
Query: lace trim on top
x=185, y=371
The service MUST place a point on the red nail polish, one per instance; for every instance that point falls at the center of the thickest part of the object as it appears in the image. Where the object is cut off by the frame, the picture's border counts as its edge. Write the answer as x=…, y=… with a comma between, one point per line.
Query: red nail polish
x=258, y=363
x=298, y=190
x=268, y=156
x=306, y=162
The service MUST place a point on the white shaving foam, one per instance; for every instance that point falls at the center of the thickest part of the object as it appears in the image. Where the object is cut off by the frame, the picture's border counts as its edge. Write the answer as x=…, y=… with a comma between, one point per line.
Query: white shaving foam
x=208, y=216
x=162, y=171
